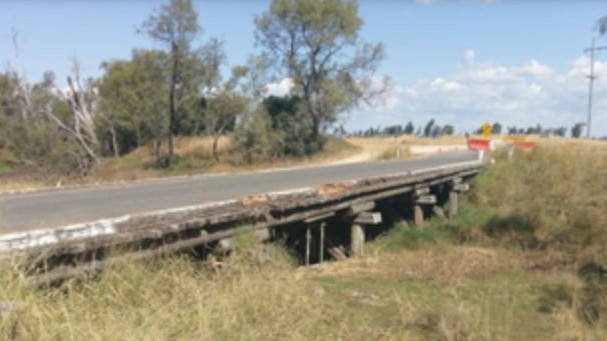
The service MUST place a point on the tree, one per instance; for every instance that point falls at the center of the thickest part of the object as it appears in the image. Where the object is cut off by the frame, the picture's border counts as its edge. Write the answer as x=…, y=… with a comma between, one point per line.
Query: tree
x=534, y=130
x=409, y=128
x=133, y=102
x=496, y=128
x=175, y=25
x=315, y=43
x=291, y=128
x=560, y=131
x=436, y=131
x=221, y=112
x=393, y=130
x=447, y=130
x=576, y=130
x=255, y=136
x=428, y=128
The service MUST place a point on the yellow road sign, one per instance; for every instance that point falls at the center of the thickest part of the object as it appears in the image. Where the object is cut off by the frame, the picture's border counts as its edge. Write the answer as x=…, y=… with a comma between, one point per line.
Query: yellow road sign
x=486, y=130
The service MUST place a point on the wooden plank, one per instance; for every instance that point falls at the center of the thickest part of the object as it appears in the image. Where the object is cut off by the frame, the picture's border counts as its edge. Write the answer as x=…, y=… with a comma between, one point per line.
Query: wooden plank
x=422, y=191
x=319, y=217
x=368, y=218
x=361, y=207
x=426, y=200
x=461, y=187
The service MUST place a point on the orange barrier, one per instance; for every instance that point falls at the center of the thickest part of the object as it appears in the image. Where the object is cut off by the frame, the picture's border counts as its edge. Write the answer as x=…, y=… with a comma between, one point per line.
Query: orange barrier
x=524, y=145
x=479, y=144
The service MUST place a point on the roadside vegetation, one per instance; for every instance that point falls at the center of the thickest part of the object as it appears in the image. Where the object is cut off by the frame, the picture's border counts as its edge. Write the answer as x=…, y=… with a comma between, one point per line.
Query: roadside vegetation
x=524, y=260
x=138, y=111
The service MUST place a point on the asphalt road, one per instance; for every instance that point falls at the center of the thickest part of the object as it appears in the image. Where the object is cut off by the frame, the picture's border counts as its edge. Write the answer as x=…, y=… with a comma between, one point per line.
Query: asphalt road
x=20, y=212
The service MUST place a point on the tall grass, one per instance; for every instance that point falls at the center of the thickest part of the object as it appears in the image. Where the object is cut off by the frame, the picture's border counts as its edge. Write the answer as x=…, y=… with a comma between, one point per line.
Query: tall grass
x=559, y=193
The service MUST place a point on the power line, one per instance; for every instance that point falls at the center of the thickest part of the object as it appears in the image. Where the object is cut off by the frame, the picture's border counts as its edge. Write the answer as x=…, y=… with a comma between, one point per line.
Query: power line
x=591, y=79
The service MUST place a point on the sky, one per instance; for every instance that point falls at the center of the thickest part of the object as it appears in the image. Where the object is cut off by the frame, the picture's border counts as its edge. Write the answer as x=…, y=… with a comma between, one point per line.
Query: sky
x=460, y=62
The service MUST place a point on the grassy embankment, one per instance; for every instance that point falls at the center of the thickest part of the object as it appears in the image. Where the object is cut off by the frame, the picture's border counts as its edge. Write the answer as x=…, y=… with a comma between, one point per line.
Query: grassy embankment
x=523, y=261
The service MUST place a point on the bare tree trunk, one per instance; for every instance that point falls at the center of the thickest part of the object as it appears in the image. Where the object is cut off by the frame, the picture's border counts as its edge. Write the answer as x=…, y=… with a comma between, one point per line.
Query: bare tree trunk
x=158, y=148
x=114, y=141
x=172, y=113
x=215, y=142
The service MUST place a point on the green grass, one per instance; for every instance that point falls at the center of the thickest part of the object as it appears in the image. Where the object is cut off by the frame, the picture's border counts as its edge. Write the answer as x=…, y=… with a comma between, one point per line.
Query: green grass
x=7, y=162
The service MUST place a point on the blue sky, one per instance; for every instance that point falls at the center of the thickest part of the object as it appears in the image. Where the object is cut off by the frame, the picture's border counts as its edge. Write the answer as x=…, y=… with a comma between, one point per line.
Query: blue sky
x=460, y=62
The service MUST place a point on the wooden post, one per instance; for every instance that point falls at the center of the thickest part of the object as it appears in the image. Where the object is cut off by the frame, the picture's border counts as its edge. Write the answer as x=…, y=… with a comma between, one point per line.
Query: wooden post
x=418, y=212
x=439, y=212
x=337, y=252
x=321, y=255
x=308, y=242
x=453, y=204
x=453, y=197
x=418, y=215
x=357, y=242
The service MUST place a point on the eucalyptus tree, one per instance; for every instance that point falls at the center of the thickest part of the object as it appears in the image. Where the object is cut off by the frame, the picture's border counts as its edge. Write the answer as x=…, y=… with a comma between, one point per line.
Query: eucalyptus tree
x=174, y=25
x=316, y=44
x=132, y=101
x=220, y=113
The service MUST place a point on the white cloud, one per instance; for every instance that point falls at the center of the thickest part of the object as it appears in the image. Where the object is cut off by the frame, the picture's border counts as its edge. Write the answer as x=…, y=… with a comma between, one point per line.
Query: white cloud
x=426, y=2
x=281, y=88
x=477, y=92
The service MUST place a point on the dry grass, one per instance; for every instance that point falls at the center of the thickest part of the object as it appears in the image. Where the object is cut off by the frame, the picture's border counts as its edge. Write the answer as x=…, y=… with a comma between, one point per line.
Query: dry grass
x=440, y=292
x=557, y=193
x=442, y=265
x=386, y=148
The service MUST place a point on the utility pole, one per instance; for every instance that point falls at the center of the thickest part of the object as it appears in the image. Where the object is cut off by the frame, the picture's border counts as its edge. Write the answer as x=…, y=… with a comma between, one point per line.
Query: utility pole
x=591, y=79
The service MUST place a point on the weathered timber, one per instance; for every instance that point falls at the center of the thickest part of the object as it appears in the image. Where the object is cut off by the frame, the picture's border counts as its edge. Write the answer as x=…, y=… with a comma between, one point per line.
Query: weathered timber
x=319, y=217
x=439, y=212
x=337, y=252
x=368, y=218
x=359, y=208
x=357, y=239
x=321, y=250
x=463, y=187
x=426, y=200
x=418, y=215
x=453, y=204
x=308, y=244
x=422, y=191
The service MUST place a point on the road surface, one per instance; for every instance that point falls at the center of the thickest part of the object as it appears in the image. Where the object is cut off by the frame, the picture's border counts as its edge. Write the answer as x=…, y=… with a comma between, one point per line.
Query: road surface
x=20, y=212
